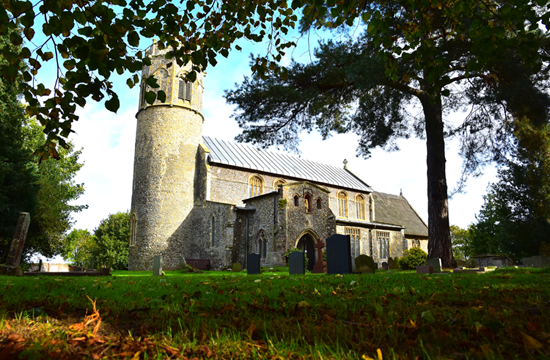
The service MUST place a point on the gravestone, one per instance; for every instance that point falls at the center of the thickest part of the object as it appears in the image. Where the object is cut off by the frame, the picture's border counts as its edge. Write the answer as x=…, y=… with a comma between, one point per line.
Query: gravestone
x=236, y=267
x=253, y=264
x=274, y=259
x=425, y=269
x=157, y=266
x=364, y=264
x=338, y=254
x=392, y=264
x=296, y=264
x=14, y=256
x=320, y=265
x=435, y=263
x=182, y=264
x=385, y=265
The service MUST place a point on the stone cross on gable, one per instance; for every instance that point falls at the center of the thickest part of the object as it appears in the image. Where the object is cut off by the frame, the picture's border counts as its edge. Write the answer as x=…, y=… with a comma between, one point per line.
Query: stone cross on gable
x=320, y=265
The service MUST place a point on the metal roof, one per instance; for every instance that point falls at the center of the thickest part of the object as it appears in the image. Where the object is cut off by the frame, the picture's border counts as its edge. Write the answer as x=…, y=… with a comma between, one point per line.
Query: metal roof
x=253, y=158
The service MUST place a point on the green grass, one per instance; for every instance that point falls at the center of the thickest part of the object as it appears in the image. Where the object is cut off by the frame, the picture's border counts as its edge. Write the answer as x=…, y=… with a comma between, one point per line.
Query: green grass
x=501, y=314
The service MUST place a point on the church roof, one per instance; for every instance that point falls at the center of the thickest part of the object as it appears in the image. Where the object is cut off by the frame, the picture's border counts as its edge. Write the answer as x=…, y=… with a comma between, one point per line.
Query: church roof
x=395, y=209
x=253, y=158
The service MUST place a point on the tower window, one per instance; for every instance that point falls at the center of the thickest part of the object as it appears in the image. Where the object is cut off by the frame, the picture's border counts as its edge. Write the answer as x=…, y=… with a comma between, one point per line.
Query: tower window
x=360, y=202
x=319, y=204
x=184, y=90
x=133, y=223
x=342, y=204
x=256, y=186
x=296, y=200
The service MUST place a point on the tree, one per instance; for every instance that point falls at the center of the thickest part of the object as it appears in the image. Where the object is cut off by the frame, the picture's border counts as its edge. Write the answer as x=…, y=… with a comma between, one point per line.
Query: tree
x=18, y=188
x=112, y=237
x=78, y=247
x=56, y=195
x=90, y=41
x=462, y=242
x=437, y=55
x=515, y=217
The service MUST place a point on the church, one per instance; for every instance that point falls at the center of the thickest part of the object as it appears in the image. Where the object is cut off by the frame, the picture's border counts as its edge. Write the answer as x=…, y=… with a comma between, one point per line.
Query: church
x=210, y=199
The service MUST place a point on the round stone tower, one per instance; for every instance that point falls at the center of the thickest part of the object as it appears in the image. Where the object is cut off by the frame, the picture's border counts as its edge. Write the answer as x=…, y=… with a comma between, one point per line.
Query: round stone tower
x=167, y=140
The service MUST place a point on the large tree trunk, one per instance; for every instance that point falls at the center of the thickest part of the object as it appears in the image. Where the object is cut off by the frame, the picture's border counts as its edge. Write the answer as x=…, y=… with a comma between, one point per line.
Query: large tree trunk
x=439, y=234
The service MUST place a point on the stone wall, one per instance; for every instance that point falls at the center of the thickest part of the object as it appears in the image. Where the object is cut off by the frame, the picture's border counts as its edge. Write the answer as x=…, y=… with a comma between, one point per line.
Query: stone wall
x=320, y=223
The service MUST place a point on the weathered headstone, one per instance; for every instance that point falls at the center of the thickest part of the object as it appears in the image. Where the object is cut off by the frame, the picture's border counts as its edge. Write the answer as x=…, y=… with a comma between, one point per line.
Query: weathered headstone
x=274, y=258
x=435, y=263
x=182, y=264
x=236, y=267
x=253, y=264
x=338, y=254
x=320, y=265
x=392, y=264
x=425, y=269
x=364, y=264
x=385, y=265
x=157, y=265
x=14, y=256
x=296, y=264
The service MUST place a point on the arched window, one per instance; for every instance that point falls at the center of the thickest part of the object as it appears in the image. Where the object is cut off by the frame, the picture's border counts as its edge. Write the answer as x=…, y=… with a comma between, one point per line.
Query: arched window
x=342, y=204
x=213, y=231
x=308, y=203
x=360, y=202
x=185, y=89
x=256, y=186
x=277, y=183
x=262, y=244
x=133, y=224
x=163, y=80
x=319, y=204
x=296, y=200
x=415, y=243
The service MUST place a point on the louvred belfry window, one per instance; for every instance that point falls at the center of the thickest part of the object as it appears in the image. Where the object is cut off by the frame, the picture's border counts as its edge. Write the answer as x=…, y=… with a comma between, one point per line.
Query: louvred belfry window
x=184, y=90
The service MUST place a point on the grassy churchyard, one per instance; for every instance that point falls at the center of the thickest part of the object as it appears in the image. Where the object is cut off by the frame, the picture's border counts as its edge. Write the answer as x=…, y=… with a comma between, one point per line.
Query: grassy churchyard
x=503, y=314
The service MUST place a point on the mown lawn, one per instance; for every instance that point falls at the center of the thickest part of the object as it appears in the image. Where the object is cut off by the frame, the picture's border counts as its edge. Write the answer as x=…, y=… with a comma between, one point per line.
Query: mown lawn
x=220, y=315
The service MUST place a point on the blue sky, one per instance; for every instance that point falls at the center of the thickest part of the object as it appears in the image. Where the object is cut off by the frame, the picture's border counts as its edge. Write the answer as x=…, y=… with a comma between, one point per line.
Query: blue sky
x=108, y=142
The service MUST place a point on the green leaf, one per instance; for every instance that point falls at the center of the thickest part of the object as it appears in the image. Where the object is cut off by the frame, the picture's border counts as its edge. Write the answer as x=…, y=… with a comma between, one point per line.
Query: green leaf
x=133, y=38
x=112, y=104
x=161, y=96
x=150, y=97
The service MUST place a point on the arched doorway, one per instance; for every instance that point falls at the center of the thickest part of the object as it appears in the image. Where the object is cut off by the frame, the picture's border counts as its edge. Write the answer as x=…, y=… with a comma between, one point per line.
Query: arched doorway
x=306, y=244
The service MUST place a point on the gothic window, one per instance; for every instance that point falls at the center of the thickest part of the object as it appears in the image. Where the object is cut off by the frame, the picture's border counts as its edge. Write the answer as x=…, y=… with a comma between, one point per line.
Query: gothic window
x=185, y=90
x=308, y=203
x=262, y=244
x=133, y=224
x=360, y=203
x=319, y=204
x=213, y=232
x=296, y=200
x=416, y=243
x=256, y=186
x=277, y=183
x=163, y=80
x=383, y=244
x=355, y=237
x=342, y=204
